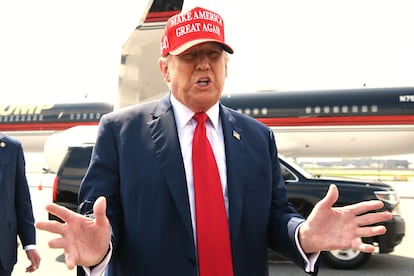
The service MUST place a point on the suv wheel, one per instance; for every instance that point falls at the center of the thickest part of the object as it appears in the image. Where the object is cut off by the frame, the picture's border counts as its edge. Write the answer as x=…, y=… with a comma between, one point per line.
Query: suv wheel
x=345, y=258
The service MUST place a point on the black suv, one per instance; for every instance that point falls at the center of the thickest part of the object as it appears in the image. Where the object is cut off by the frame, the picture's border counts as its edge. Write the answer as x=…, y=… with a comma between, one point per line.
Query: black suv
x=304, y=192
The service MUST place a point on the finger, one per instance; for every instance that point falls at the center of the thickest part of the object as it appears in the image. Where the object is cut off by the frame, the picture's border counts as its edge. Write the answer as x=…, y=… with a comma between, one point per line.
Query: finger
x=62, y=212
x=370, y=231
x=330, y=198
x=373, y=218
x=365, y=206
x=70, y=261
x=30, y=269
x=35, y=261
x=50, y=226
x=57, y=243
x=363, y=247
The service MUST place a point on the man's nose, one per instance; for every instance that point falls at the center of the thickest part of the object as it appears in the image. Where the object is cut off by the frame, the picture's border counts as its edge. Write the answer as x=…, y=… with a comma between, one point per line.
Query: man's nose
x=203, y=62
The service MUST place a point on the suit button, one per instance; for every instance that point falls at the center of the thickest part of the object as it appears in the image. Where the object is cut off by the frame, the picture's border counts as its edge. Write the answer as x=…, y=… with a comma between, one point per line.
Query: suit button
x=191, y=262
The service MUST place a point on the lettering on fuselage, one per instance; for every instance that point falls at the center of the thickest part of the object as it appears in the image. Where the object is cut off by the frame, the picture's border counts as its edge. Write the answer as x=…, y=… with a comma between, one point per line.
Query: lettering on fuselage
x=406, y=98
x=6, y=110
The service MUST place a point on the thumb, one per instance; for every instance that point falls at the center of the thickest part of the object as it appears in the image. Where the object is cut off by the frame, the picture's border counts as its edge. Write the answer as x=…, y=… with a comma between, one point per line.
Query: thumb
x=99, y=210
x=330, y=198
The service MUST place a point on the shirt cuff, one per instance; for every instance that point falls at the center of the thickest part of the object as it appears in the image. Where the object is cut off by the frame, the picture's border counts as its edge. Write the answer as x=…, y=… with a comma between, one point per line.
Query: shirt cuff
x=310, y=259
x=29, y=247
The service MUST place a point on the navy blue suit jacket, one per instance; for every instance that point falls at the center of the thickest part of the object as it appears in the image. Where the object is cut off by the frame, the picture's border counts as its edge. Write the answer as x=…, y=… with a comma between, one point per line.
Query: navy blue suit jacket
x=16, y=215
x=137, y=165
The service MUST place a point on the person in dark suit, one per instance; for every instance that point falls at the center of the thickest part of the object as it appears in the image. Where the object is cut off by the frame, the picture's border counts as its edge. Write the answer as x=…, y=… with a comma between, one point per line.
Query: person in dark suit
x=16, y=215
x=138, y=212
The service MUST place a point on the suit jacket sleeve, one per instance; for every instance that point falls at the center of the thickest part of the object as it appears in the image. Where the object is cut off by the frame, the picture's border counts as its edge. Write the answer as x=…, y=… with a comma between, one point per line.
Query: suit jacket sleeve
x=24, y=211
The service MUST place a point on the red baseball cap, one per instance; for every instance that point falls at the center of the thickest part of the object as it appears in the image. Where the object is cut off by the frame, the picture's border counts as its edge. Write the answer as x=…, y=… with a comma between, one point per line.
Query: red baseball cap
x=187, y=29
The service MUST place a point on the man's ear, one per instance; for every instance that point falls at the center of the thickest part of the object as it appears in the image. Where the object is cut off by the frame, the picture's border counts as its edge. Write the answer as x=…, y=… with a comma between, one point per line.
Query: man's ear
x=163, y=66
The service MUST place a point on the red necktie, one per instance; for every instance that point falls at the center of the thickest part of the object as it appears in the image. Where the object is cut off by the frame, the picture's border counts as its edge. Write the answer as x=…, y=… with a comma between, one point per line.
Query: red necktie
x=213, y=238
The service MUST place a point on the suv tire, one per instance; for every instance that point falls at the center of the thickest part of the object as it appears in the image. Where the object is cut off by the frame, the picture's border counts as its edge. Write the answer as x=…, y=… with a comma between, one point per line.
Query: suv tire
x=345, y=259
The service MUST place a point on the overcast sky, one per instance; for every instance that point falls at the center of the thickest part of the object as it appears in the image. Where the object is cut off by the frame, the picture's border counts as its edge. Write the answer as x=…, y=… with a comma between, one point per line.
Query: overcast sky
x=64, y=50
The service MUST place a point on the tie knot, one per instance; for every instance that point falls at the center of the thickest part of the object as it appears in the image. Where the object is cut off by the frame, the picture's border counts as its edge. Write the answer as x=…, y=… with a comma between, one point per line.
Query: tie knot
x=200, y=117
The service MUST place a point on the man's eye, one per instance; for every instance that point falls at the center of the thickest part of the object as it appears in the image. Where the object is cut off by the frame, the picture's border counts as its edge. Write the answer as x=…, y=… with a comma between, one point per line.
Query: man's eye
x=187, y=56
x=214, y=53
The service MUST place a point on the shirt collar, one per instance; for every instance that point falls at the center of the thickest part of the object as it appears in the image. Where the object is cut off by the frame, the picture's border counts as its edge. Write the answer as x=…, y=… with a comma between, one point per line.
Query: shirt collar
x=183, y=114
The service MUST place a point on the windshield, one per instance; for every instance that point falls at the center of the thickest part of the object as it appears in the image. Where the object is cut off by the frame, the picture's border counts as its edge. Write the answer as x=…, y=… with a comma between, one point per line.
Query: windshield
x=296, y=166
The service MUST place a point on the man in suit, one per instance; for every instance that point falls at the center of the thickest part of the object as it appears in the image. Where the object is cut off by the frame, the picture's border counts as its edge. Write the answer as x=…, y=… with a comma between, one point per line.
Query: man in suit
x=138, y=194
x=16, y=215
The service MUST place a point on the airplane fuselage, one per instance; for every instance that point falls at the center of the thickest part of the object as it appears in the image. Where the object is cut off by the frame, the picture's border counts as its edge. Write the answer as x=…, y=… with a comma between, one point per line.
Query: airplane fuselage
x=335, y=123
x=33, y=123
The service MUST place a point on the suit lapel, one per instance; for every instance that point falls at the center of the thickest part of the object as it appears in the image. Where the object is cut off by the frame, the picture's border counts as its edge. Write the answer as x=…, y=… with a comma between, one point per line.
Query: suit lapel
x=234, y=147
x=167, y=148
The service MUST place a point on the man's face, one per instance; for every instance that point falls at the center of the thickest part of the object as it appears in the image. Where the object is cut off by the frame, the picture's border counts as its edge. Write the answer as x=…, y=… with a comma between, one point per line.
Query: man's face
x=196, y=77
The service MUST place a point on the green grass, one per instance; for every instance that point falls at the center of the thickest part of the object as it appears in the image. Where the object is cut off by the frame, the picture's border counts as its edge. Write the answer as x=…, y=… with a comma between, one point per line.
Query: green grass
x=395, y=175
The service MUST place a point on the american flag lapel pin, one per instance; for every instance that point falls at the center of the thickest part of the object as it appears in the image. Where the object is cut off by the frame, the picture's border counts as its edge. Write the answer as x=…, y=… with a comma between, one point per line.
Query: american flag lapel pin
x=236, y=135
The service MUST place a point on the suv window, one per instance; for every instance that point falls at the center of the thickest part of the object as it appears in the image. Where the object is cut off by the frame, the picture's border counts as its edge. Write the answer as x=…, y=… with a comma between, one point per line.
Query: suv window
x=287, y=174
x=76, y=163
x=69, y=176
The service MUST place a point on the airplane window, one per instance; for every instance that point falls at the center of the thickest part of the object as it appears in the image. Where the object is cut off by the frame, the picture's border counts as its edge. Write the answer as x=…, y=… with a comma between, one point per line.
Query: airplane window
x=374, y=108
x=317, y=109
x=264, y=111
x=308, y=110
x=344, y=109
x=364, y=109
x=335, y=109
x=255, y=111
x=247, y=111
x=326, y=109
x=354, y=108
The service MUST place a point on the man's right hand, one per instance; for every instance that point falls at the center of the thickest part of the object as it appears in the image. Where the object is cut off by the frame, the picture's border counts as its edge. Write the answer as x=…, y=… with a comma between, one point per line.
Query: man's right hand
x=85, y=241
